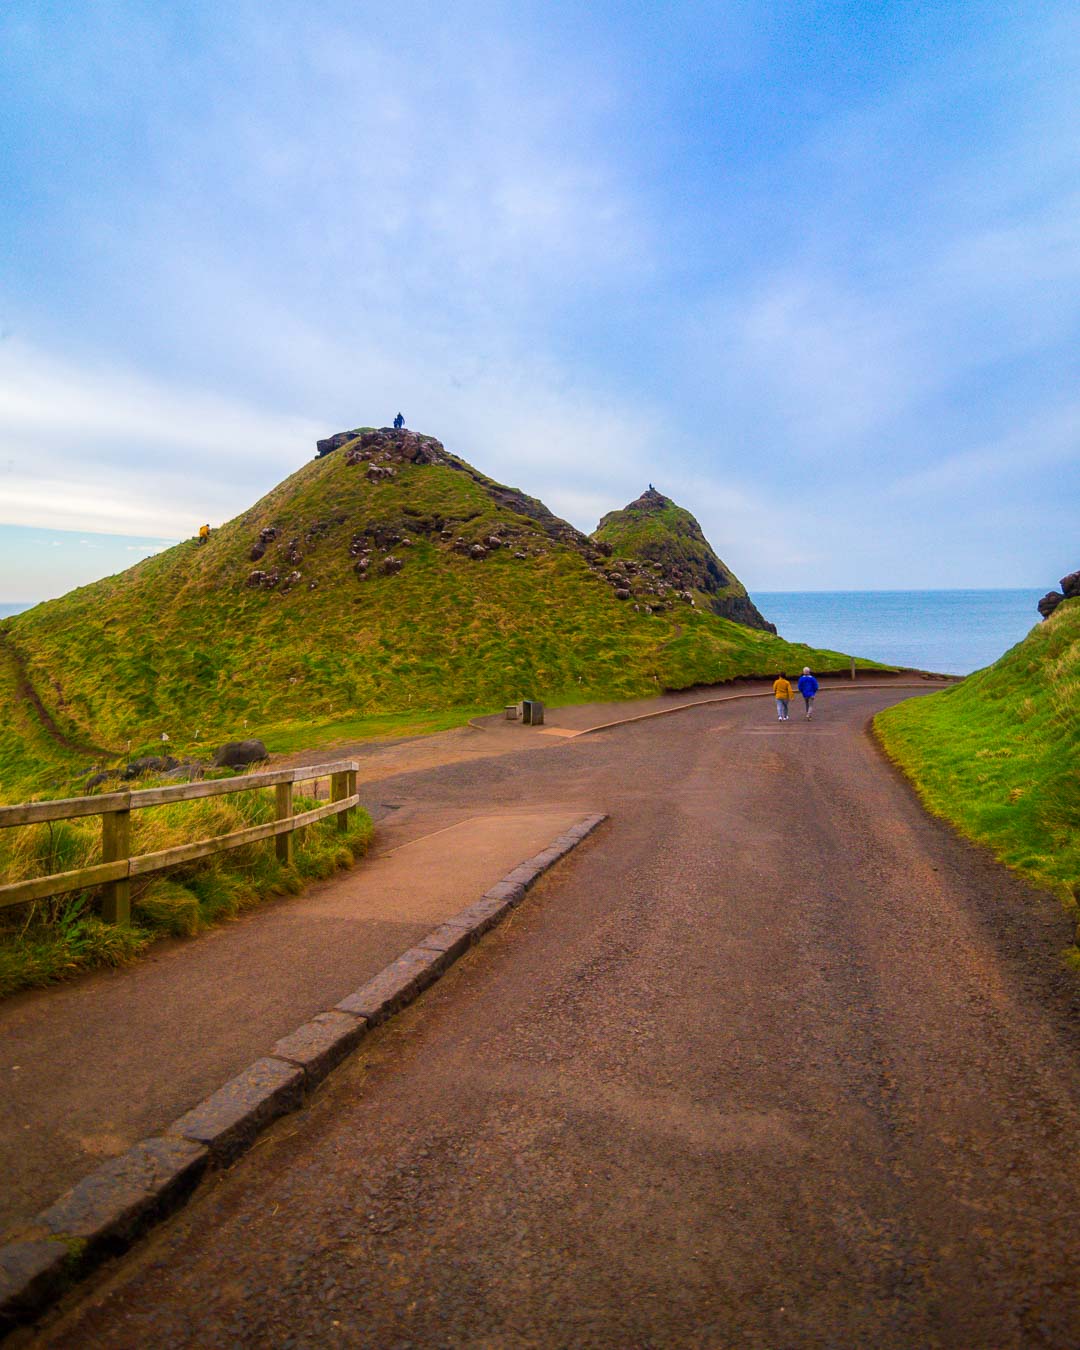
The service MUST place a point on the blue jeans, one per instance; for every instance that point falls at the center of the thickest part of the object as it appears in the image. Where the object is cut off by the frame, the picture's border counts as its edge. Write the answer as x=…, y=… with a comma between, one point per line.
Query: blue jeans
x=781, y=709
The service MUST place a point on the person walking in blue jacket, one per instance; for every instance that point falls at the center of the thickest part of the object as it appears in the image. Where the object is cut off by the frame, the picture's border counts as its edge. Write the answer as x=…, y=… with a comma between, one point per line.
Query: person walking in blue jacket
x=808, y=687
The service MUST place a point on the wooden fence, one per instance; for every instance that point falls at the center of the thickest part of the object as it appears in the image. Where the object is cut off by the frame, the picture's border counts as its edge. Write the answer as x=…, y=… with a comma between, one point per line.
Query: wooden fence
x=117, y=866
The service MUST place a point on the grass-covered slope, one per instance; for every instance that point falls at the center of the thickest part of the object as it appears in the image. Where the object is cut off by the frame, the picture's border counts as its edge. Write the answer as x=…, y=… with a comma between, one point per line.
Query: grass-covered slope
x=999, y=754
x=665, y=545
x=384, y=585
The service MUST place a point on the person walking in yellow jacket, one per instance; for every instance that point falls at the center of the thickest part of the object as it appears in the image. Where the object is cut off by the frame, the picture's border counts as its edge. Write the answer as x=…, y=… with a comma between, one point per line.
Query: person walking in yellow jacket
x=782, y=693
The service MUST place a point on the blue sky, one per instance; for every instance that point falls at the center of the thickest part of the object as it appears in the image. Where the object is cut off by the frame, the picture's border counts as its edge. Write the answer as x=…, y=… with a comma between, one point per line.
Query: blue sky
x=813, y=269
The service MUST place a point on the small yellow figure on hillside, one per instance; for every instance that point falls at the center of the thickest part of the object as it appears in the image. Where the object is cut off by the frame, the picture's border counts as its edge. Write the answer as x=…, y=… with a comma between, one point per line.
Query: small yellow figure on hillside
x=204, y=533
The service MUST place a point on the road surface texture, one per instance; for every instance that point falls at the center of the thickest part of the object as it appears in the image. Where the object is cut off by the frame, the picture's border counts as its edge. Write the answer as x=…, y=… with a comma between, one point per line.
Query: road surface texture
x=772, y=1060
x=91, y=1067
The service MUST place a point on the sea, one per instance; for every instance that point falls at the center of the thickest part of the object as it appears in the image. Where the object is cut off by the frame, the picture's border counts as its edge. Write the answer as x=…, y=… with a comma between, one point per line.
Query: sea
x=949, y=632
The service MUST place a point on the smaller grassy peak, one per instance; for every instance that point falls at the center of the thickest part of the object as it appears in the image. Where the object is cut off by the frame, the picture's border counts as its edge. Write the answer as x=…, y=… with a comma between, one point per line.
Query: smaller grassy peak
x=662, y=540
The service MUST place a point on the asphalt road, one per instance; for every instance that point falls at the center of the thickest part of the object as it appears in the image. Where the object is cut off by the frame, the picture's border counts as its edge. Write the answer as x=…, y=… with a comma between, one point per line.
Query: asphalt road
x=772, y=1060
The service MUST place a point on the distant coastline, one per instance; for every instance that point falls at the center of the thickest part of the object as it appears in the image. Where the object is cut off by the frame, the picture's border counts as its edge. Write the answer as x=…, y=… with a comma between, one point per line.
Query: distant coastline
x=952, y=632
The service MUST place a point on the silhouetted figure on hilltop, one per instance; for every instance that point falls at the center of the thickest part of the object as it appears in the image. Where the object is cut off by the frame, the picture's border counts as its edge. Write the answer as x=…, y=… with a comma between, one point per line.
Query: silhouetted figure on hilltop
x=399, y=422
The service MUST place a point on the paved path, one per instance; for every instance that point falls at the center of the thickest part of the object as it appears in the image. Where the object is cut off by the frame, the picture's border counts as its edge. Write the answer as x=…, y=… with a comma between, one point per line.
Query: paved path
x=773, y=1060
x=89, y=1068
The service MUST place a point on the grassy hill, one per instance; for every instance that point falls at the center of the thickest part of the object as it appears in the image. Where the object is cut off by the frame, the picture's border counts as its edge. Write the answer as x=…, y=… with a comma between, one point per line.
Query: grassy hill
x=386, y=585
x=999, y=754
x=664, y=543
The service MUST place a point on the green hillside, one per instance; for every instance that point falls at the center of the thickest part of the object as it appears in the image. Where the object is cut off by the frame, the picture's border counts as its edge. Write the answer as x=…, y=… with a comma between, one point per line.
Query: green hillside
x=662, y=547
x=999, y=754
x=385, y=585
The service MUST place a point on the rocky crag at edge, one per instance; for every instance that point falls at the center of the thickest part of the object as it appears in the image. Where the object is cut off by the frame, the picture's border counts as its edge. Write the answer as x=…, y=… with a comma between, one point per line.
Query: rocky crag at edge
x=681, y=559
x=1070, y=590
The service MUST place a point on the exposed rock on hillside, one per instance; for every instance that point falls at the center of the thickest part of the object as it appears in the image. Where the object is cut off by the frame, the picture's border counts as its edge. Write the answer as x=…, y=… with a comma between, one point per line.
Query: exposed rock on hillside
x=384, y=577
x=1070, y=590
x=658, y=549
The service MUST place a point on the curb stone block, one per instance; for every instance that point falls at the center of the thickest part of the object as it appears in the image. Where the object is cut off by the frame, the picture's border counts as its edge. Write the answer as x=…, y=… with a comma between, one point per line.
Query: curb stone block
x=108, y=1208
x=322, y=1043
x=504, y=890
x=396, y=985
x=103, y=1210
x=228, y=1120
x=449, y=938
x=484, y=914
x=549, y=857
x=31, y=1274
x=166, y=1168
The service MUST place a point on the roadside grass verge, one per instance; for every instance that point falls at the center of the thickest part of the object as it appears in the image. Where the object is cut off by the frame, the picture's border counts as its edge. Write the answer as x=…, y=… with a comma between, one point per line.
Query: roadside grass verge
x=53, y=939
x=998, y=755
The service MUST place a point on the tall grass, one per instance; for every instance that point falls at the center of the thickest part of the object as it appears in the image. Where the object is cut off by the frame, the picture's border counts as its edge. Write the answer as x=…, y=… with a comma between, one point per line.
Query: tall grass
x=999, y=755
x=52, y=939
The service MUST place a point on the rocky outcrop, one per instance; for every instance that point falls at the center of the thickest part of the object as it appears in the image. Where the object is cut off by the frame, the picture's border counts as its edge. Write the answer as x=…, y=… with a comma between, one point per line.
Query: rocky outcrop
x=1070, y=590
x=659, y=552
x=238, y=754
x=331, y=443
x=139, y=768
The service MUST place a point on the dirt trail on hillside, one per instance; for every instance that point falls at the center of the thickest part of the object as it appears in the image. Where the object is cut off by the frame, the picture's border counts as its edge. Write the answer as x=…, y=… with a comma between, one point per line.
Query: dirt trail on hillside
x=24, y=689
x=774, y=1059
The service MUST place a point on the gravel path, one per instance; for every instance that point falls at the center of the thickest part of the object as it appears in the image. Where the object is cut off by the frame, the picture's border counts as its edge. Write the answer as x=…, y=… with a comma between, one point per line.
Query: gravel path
x=773, y=1060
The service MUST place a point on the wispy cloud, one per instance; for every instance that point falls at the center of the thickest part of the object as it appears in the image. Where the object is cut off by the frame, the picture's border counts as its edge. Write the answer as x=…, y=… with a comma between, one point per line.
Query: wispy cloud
x=107, y=449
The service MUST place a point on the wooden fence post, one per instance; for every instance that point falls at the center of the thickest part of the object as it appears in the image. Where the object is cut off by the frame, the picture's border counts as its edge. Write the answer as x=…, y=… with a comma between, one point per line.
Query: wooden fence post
x=116, y=844
x=343, y=785
x=283, y=843
x=852, y=667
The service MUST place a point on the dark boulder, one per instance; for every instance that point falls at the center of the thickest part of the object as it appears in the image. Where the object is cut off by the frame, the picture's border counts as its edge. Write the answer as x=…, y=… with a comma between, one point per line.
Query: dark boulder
x=139, y=768
x=1070, y=585
x=390, y=565
x=259, y=547
x=324, y=447
x=190, y=772
x=1049, y=603
x=238, y=754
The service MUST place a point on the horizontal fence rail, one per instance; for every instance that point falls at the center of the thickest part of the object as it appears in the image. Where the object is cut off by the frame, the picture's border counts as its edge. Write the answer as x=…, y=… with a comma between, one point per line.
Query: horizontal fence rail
x=118, y=866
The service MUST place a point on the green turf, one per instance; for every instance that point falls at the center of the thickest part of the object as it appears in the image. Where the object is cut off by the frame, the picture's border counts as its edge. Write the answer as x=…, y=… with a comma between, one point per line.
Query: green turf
x=999, y=754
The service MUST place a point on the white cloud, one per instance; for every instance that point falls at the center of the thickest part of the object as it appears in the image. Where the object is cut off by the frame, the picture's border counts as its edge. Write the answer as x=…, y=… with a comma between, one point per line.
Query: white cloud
x=109, y=450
